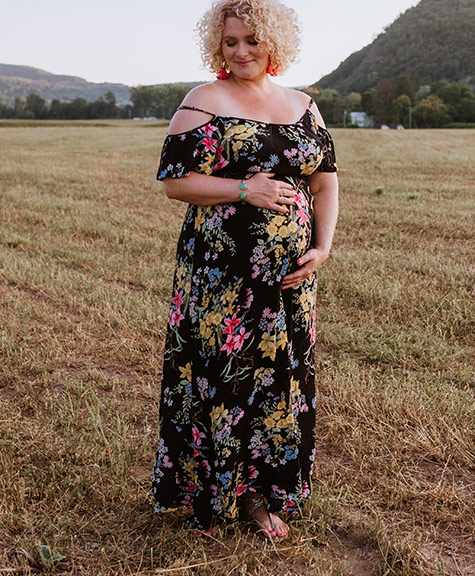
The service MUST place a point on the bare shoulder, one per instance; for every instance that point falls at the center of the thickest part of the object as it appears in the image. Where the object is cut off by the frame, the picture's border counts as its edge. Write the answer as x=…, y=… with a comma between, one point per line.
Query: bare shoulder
x=304, y=100
x=202, y=97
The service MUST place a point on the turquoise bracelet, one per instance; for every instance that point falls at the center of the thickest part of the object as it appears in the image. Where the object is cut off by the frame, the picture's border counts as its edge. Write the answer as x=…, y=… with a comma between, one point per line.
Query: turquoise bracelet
x=243, y=187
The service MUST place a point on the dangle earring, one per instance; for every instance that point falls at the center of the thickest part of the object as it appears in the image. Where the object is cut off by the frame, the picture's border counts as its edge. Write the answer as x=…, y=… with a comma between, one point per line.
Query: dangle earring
x=224, y=74
x=272, y=70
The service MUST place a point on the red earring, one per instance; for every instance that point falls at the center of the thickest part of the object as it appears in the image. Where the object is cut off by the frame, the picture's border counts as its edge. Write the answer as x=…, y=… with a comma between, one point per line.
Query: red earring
x=223, y=75
x=272, y=70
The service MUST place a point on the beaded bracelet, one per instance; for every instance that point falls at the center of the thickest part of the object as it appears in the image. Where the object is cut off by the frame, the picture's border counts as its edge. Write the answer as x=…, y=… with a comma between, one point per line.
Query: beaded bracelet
x=243, y=187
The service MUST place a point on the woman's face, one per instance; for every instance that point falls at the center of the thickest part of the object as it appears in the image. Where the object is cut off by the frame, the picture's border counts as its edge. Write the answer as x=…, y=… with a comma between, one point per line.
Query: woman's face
x=243, y=55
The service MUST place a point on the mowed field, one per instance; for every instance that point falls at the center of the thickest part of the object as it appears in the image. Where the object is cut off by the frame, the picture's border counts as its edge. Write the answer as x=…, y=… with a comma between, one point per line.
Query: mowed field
x=87, y=243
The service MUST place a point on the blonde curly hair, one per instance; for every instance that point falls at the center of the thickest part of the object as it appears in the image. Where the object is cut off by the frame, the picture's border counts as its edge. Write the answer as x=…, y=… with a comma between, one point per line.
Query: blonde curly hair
x=275, y=27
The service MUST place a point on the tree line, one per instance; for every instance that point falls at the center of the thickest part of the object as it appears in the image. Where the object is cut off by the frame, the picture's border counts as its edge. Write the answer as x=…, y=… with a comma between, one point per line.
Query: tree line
x=146, y=101
x=396, y=102
x=391, y=102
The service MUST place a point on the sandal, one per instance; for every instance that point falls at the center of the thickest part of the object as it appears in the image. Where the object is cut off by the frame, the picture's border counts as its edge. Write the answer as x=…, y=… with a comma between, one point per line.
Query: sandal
x=250, y=505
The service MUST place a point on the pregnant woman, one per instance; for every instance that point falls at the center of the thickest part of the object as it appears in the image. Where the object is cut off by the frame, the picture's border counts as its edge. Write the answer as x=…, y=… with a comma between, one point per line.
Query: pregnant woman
x=256, y=167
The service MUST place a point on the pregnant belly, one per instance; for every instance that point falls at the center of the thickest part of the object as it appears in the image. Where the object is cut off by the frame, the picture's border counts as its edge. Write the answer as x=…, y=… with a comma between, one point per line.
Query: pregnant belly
x=255, y=242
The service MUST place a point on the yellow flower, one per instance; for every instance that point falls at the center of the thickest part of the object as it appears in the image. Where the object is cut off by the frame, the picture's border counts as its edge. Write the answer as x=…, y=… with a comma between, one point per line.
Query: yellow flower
x=301, y=243
x=305, y=300
x=207, y=166
x=214, y=318
x=277, y=439
x=271, y=229
x=185, y=372
x=308, y=168
x=268, y=345
x=278, y=220
x=218, y=413
x=284, y=231
x=237, y=145
x=205, y=330
x=199, y=218
x=270, y=421
x=281, y=342
x=294, y=387
x=293, y=227
x=229, y=296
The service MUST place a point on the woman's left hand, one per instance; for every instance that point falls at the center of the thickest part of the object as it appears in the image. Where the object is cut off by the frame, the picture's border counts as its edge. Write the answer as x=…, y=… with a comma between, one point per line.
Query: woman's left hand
x=309, y=262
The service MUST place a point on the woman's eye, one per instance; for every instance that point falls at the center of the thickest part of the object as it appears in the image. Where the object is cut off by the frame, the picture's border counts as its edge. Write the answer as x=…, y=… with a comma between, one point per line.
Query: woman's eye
x=230, y=43
x=253, y=42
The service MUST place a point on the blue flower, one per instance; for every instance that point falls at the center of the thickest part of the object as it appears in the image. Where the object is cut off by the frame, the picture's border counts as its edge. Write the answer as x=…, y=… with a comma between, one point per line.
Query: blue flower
x=213, y=274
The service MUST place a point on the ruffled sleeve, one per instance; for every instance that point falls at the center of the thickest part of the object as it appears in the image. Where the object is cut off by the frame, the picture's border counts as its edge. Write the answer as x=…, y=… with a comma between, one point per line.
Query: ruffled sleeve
x=328, y=163
x=192, y=151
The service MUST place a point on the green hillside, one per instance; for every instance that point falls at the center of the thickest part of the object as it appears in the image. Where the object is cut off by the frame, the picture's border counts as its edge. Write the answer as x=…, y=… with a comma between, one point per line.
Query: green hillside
x=19, y=81
x=432, y=41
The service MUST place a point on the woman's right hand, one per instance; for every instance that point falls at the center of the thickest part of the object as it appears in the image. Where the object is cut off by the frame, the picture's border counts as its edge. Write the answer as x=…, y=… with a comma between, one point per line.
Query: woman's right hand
x=264, y=192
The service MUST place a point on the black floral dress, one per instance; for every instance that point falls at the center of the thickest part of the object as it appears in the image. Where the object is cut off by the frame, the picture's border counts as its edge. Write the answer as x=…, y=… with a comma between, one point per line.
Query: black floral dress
x=237, y=407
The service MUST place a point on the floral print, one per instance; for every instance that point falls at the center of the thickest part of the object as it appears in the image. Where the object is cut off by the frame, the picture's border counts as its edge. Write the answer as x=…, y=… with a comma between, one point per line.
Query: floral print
x=237, y=407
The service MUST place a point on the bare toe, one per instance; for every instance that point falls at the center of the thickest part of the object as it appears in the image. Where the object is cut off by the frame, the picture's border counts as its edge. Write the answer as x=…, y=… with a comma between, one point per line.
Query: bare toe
x=281, y=528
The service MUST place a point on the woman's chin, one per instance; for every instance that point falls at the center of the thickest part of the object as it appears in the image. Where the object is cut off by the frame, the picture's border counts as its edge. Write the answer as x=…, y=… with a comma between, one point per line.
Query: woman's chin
x=244, y=74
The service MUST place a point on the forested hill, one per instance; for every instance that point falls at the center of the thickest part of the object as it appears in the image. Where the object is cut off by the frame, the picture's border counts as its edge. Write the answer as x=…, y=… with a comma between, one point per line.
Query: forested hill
x=19, y=81
x=432, y=41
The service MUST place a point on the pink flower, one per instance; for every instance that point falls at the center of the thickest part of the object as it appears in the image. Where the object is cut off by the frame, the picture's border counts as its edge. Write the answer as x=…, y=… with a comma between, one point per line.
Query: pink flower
x=228, y=346
x=197, y=435
x=239, y=338
x=177, y=299
x=231, y=324
x=240, y=489
x=175, y=318
x=249, y=298
x=209, y=144
x=166, y=462
x=303, y=217
x=208, y=129
x=252, y=472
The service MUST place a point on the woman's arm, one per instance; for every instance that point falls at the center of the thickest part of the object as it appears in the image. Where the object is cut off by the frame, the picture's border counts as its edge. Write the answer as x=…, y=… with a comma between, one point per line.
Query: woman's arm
x=204, y=190
x=324, y=187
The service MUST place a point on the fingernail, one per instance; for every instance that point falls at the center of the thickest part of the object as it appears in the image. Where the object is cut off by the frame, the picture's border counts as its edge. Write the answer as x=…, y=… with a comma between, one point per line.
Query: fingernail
x=299, y=262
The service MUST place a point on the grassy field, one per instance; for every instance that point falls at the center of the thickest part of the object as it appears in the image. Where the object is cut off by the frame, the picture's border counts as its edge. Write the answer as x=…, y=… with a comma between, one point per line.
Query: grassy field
x=87, y=242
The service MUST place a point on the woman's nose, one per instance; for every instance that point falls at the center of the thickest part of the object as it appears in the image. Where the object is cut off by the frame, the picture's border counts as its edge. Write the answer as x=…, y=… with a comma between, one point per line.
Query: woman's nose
x=242, y=49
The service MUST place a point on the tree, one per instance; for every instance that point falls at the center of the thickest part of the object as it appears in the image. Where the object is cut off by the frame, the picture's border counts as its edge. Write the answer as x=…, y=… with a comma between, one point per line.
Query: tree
x=56, y=109
x=459, y=99
x=36, y=105
x=401, y=106
x=144, y=100
x=353, y=102
x=5, y=111
x=383, y=101
x=405, y=86
x=338, y=108
x=111, y=109
x=431, y=112
x=367, y=102
x=19, y=108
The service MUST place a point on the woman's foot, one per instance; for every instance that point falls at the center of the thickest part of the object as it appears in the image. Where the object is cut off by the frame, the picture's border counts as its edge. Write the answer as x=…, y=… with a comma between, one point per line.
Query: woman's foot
x=270, y=525
x=211, y=532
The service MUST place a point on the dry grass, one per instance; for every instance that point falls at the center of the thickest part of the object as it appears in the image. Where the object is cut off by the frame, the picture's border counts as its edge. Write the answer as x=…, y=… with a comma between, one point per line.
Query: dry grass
x=87, y=243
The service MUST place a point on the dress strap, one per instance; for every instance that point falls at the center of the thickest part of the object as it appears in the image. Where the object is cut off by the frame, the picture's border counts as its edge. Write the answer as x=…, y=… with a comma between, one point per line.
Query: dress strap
x=184, y=107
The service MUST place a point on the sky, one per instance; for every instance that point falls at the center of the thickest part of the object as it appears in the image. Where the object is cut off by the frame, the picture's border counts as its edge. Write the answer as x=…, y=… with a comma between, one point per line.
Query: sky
x=151, y=42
